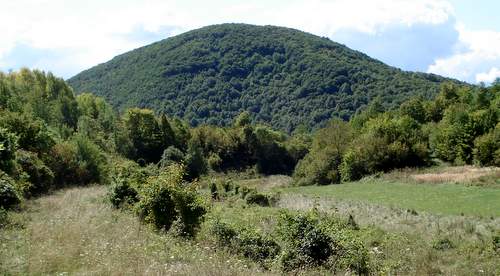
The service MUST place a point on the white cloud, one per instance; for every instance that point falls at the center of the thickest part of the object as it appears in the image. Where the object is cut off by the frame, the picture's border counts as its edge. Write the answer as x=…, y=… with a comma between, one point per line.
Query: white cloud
x=93, y=31
x=488, y=77
x=476, y=52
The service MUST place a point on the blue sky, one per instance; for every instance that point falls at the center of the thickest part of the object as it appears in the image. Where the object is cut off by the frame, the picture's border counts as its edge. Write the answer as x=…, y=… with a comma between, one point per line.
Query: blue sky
x=454, y=38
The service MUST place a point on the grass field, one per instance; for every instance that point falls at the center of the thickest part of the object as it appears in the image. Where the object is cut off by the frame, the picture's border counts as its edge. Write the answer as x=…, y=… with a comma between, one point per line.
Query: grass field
x=403, y=221
x=443, y=199
x=76, y=231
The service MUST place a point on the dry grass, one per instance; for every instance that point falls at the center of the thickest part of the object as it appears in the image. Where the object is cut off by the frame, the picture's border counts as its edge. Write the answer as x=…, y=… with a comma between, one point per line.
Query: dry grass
x=268, y=182
x=462, y=174
x=76, y=232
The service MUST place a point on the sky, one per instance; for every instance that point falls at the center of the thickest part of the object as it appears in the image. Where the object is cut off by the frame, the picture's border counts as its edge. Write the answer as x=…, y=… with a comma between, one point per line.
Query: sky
x=453, y=38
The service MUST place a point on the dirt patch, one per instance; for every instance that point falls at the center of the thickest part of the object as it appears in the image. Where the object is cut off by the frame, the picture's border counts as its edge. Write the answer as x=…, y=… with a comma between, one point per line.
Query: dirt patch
x=456, y=174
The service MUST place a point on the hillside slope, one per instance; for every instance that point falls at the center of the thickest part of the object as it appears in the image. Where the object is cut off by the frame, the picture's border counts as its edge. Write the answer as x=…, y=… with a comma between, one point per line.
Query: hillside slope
x=282, y=76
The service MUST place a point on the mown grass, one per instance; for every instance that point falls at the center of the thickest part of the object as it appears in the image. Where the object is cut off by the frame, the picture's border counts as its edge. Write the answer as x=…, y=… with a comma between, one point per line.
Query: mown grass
x=445, y=199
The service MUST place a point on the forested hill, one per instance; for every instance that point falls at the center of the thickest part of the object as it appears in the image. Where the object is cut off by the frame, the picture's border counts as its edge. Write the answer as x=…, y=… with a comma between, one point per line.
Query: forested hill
x=284, y=77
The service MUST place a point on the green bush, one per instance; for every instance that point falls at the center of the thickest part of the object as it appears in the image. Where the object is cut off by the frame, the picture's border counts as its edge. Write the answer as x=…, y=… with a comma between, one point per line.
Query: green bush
x=171, y=155
x=91, y=160
x=306, y=244
x=166, y=199
x=264, y=200
x=8, y=195
x=321, y=165
x=121, y=193
x=63, y=162
x=487, y=148
x=249, y=243
x=443, y=244
x=8, y=146
x=195, y=162
x=214, y=193
x=40, y=176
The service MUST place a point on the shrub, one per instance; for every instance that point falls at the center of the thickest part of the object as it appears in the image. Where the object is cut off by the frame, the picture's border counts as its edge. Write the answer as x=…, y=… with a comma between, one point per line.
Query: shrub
x=249, y=243
x=92, y=161
x=171, y=155
x=62, y=160
x=223, y=232
x=351, y=254
x=227, y=186
x=156, y=205
x=443, y=244
x=306, y=243
x=8, y=146
x=214, y=193
x=196, y=164
x=122, y=194
x=245, y=191
x=40, y=176
x=167, y=198
x=8, y=195
x=487, y=148
x=253, y=197
x=255, y=246
x=190, y=208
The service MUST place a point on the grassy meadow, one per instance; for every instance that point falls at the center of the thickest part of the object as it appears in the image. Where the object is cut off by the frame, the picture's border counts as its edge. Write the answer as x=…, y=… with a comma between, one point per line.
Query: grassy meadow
x=423, y=232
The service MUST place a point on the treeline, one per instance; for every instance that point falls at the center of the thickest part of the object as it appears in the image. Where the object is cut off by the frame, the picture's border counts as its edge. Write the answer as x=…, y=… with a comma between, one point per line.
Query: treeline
x=460, y=126
x=50, y=138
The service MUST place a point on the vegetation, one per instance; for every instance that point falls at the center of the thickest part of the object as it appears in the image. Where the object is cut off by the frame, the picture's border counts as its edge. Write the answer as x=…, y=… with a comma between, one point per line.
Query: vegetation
x=460, y=126
x=282, y=77
x=174, y=178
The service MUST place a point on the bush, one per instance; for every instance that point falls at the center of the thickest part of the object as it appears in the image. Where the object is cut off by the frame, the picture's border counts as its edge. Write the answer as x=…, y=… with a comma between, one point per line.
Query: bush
x=156, y=205
x=443, y=244
x=8, y=146
x=40, y=177
x=253, y=197
x=8, y=195
x=249, y=243
x=487, y=148
x=196, y=164
x=122, y=194
x=171, y=155
x=92, y=161
x=321, y=165
x=214, y=193
x=306, y=243
x=166, y=199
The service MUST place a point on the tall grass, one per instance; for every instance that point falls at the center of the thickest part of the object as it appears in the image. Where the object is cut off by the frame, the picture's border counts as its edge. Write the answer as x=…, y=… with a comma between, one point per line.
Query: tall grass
x=76, y=232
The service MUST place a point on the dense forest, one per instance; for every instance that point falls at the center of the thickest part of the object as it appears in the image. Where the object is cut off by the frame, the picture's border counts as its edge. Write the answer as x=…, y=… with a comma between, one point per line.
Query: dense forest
x=50, y=138
x=283, y=77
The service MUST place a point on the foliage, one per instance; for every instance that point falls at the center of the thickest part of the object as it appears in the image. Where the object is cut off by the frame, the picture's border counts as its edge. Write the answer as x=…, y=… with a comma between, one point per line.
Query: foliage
x=167, y=198
x=122, y=194
x=8, y=195
x=8, y=146
x=280, y=76
x=306, y=243
x=249, y=243
x=321, y=164
x=39, y=176
x=487, y=148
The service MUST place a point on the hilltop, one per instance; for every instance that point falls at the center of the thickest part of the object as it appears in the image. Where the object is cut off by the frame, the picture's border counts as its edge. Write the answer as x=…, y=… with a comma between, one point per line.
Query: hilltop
x=284, y=77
